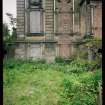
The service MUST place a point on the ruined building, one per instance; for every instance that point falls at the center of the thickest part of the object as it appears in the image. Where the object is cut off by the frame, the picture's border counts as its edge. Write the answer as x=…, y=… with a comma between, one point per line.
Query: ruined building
x=48, y=28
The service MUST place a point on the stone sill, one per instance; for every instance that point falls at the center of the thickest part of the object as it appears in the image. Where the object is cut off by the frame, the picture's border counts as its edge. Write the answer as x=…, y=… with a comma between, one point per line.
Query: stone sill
x=31, y=41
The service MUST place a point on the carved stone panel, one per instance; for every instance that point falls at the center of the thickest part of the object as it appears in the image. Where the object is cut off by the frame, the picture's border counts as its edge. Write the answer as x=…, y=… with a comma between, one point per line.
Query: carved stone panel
x=64, y=26
x=64, y=23
x=64, y=16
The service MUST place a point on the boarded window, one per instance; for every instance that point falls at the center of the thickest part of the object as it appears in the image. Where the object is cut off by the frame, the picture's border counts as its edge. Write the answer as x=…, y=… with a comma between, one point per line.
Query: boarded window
x=35, y=22
x=35, y=51
x=64, y=50
x=50, y=49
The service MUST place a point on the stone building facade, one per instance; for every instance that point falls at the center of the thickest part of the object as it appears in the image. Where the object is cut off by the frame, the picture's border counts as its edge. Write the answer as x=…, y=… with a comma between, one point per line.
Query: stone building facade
x=47, y=29
x=91, y=25
x=91, y=18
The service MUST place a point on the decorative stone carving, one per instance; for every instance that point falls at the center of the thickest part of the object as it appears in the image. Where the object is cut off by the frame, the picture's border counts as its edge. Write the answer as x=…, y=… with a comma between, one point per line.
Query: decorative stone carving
x=64, y=16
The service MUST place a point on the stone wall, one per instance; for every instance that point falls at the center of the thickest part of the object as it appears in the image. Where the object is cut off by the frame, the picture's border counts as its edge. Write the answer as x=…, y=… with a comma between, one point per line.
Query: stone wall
x=98, y=20
x=49, y=50
x=91, y=18
x=49, y=20
x=20, y=50
x=83, y=19
x=64, y=27
x=36, y=51
x=57, y=24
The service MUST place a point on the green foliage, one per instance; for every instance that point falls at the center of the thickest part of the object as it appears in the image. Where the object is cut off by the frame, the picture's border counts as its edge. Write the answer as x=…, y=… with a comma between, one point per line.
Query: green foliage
x=7, y=39
x=62, y=60
x=40, y=83
x=59, y=60
x=43, y=61
x=6, y=34
x=88, y=47
x=81, y=90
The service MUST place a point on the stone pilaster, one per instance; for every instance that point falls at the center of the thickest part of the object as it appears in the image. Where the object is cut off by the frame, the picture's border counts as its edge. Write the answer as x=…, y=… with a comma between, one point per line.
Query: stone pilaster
x=20, y=19
x=49, y=19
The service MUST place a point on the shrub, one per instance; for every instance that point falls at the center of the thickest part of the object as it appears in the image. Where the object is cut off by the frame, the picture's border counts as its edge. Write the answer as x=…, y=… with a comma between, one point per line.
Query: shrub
x=63, y=60
x=59, y=60
x=76, y=84
x=42, y=61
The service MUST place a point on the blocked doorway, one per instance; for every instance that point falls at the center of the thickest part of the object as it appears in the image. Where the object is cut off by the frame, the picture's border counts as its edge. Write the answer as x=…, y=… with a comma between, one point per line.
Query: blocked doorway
x=64, y=50
x=34, y=51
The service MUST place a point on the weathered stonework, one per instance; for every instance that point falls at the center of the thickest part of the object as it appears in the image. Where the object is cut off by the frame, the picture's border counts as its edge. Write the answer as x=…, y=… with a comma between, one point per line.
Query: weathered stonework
x=57, y=25
x=20, y=19
x=91, y=18
x=20, y=51
x=97, y=25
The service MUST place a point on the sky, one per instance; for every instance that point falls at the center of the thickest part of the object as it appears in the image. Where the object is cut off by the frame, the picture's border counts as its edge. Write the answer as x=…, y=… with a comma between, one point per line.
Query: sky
x=9, y=6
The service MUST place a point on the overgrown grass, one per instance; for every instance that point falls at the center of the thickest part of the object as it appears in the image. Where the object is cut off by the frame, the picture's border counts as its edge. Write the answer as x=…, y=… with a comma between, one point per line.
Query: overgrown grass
x=39, y=83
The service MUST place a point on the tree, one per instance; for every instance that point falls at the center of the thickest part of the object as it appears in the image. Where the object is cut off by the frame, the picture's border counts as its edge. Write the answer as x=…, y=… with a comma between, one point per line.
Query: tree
x=12, y=19
x=13, y=24
x=6, y=39
x=6, y=33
